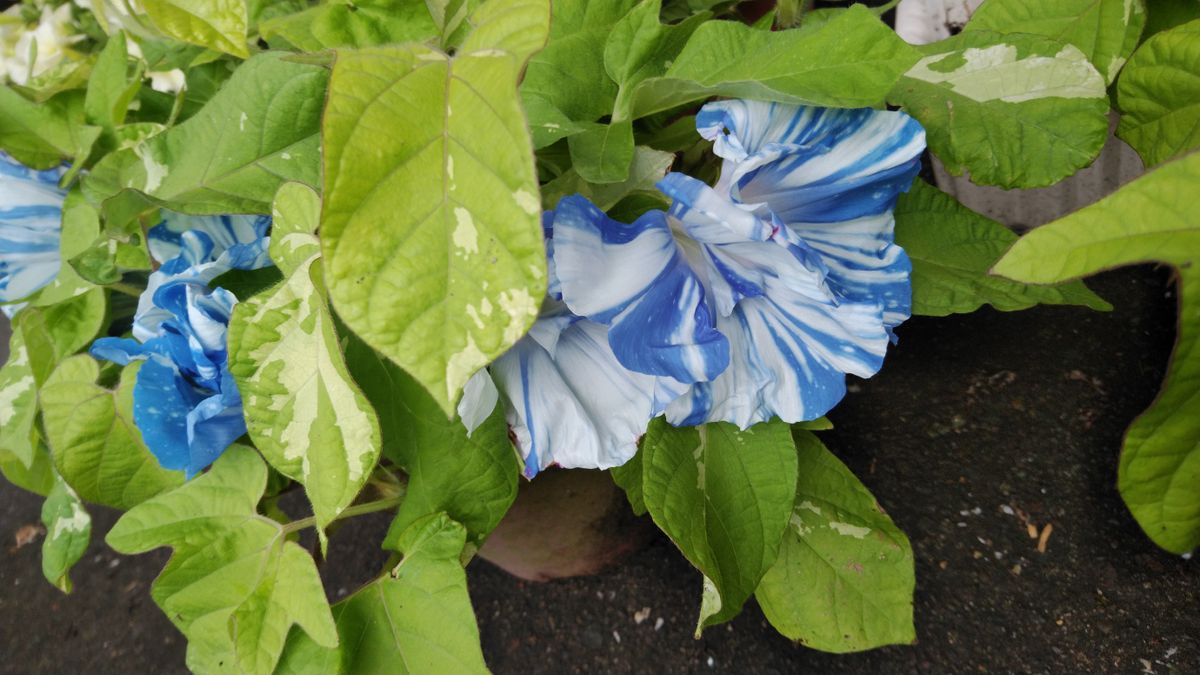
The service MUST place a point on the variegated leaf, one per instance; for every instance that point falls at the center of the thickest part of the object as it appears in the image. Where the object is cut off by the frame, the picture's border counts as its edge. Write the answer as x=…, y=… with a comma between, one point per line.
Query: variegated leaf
x=303, y=410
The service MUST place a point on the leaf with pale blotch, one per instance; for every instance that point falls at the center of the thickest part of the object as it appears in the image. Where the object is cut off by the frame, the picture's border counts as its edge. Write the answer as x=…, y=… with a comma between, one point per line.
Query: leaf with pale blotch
x=851, y=61
x=216, y=24
x=294, y=218
x=952, y=248
x=258, y=132
x=1104, y=30
x=96, y=447
x=1015, y=110
x=41, y=338
x=18, y=402
x=844, y=578
x=68, y=532
x=724, y=497
x=1159, y=95
x=449, y=274
x=1147, y=220
x=415, y=619
x=302, y=409
x=235, y=583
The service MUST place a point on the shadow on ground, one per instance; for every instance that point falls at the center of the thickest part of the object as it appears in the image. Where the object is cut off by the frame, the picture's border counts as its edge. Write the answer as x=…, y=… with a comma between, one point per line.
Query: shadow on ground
x=977, y=424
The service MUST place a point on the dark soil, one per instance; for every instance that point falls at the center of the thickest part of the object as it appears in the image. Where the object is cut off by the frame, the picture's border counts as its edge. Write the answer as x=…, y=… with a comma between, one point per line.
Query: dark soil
x=977, y=424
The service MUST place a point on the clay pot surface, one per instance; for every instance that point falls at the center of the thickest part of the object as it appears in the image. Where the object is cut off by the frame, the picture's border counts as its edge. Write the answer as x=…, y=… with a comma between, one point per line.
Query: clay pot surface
x=566, y=523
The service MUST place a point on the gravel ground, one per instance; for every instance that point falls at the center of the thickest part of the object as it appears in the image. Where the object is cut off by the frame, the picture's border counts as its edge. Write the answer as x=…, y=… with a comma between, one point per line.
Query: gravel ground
x=978, y=426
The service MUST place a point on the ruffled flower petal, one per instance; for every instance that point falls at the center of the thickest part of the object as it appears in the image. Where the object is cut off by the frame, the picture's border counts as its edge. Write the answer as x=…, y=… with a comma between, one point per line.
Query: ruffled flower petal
x=185, y=401
x=790, y=359
x=813, y=164
x=833, y=176
x=574, y=404
x=30, y=227
x=161, y=402
x=634, y=278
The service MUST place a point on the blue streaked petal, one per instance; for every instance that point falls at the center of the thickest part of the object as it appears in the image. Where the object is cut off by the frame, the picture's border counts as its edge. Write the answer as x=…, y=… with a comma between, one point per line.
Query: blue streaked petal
x=161, y=401
x=813, y=164
x=864, y=264
x=790, y=356
x=224, y=232
x=212, y=426
x=635, y=279
x=739, y=268
x=30, y=225
x=713, y=218
x=577, y=407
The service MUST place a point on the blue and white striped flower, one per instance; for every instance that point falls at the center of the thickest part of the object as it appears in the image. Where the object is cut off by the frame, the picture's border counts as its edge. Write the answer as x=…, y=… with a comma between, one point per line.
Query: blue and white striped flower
x=568, y=401
x=790, y=259
x=30, y=227
x=185, y=402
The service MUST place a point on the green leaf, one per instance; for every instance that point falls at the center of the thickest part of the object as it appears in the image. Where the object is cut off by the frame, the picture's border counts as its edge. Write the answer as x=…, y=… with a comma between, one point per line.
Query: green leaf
x=850, y=62
x=258, y=132
x=1106, y=31
x=473, y=478
x=1146, y=220
x=302, y=409
x=447, y=16
x=1015, y=110
x=216, y=24
x=1159, y=95
x=41, y=338
x=566, y=83
x=112, y=86
x=415, y=619
x=80, y=227
x=647, y=167
x=68, y=532
x=452, y=278
x=18, y=402
x=42, y=135
x=844, y=578
x=96, y=447
x=603, y=153
x=57, y=331
x=628, y=477
x=235, y=583
x=641, y=47
x=363, y=24
x=37, y=478
x=952, y=248
x=724, y=497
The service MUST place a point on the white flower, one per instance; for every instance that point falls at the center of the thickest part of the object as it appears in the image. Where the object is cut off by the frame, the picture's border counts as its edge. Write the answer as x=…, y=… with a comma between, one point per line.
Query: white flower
x=26, y=53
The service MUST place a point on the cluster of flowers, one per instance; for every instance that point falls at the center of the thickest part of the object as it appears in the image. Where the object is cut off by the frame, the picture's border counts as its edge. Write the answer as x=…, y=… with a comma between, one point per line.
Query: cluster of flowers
x=747, y=300
x=46, y=47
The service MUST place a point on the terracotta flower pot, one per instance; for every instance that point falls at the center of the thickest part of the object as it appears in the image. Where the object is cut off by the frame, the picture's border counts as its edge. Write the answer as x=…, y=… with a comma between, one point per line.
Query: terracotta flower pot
x=566, y=523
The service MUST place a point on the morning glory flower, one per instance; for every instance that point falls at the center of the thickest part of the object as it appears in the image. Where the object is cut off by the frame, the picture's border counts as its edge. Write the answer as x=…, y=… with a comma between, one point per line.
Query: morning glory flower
x=185, y=402
x=790, y=258
x=30, y=226
x=27, y=53
x=568, y=400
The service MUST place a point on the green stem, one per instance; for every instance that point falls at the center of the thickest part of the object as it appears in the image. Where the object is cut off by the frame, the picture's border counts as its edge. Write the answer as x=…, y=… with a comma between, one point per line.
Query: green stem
x=349, y=512
x=127, y=289
x=881, y=10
